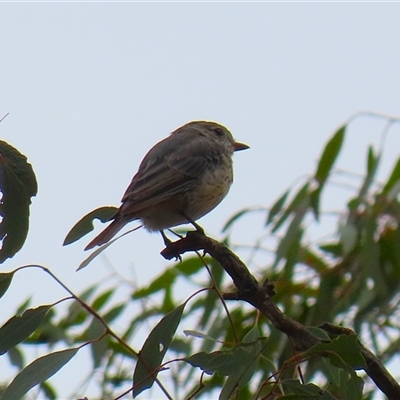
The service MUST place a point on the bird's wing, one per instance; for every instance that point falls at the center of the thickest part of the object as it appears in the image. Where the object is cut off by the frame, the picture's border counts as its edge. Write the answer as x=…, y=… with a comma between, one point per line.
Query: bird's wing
x=168, y=169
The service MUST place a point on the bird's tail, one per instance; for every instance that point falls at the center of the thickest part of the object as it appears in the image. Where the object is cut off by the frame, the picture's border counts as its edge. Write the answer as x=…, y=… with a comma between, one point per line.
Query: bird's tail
x=108, y=233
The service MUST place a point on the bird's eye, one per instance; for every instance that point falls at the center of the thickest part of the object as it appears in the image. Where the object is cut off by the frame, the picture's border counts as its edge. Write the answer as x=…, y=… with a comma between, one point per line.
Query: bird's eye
x=219, y=132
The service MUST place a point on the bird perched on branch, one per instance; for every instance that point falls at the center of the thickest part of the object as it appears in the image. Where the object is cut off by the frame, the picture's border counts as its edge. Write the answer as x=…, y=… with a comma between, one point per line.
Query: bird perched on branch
x=180, y=179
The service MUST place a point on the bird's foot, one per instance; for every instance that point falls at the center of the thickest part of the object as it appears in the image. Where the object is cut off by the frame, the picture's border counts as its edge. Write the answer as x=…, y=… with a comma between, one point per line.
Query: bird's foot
x=168, y=243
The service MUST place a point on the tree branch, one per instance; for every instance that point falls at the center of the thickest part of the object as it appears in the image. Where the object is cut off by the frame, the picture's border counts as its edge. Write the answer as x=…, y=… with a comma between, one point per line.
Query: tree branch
x=260, y=296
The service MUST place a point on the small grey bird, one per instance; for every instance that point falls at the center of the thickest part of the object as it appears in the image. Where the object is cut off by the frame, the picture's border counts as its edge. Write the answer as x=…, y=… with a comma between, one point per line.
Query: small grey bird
x=180, y=179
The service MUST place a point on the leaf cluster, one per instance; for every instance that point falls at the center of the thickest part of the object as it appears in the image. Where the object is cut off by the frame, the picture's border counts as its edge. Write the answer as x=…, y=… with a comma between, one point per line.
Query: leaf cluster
x=231, y=350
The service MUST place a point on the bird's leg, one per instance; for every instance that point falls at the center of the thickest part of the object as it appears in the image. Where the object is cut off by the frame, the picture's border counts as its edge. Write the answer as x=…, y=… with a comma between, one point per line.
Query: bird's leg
x=167, y=241
x=195, y=224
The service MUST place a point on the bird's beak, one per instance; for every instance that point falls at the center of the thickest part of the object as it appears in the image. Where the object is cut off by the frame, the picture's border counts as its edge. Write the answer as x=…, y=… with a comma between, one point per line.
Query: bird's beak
x=240, y=146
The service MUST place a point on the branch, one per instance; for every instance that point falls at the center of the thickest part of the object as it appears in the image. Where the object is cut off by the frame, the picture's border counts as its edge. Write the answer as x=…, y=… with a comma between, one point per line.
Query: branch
x=259, y=296
x=249, y=290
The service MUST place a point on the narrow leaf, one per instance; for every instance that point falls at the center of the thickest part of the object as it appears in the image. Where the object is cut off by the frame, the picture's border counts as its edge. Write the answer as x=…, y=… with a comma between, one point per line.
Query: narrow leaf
x=329, y=155
x=36, y=372
x=325, y=165
x=393, y=179
x=102, y=299
x=5, y=281
x=235, y=217
x=85, y=224
x=154, y=349
x=97, y=252
x=300, y=201
x=16, y=357
x=162, y=282
x=371, y=160
x=292, y=236
x=18, y=328
x=372, y=167
x=276, y=207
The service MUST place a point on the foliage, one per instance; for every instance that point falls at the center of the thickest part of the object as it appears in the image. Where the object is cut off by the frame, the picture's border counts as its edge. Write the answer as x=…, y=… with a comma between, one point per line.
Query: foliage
x=231, y=351
x=18, y=184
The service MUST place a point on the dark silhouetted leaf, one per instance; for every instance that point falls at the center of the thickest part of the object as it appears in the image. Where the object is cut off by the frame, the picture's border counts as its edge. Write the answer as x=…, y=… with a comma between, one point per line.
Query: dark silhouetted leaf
x=295, y=390
x=18, y=328
x=85, y=224
x=5, y=281
x=17, y=184
x=37, y=372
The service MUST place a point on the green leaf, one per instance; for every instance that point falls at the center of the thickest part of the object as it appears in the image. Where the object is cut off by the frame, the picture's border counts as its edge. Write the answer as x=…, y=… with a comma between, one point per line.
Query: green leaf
x=313, y=260
x=37, y=372
x=393, y=179
x=294, y=390
x=5, y=281
x=346, y=347
x=154, y=349
x=23, y=306
x=162, y=282
x=18, y=328
x=16, y=357
x=372, y=161
x=85, y=224
x=97, y=252
x=227, y=362
x=102, y=299
x=192, y=265
x=299, y=202
x=48, y=391
x=114, y=312
x=333, y=249
x=17, y=184
x=325, y=165
x=242, y=375
x=276, y=207
x=76, y=314
x=292, y=237
x=329, y=155
x=98, y=350
x=354, y=387
x=95, y=330
x=235, y=217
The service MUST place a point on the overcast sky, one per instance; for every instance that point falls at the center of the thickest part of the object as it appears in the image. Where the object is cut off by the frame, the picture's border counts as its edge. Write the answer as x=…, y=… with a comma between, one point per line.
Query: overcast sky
x=90, y=87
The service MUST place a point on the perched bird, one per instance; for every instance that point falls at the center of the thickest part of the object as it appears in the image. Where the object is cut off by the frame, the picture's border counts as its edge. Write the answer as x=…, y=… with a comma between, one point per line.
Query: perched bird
x=180, y=179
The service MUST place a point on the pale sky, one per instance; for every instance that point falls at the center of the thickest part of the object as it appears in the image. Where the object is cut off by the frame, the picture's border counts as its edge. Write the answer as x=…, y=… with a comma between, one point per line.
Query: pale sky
x=90, y=87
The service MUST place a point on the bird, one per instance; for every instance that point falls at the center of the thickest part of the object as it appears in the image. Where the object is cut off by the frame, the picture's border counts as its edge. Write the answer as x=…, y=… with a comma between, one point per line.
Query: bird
x=182, y=178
